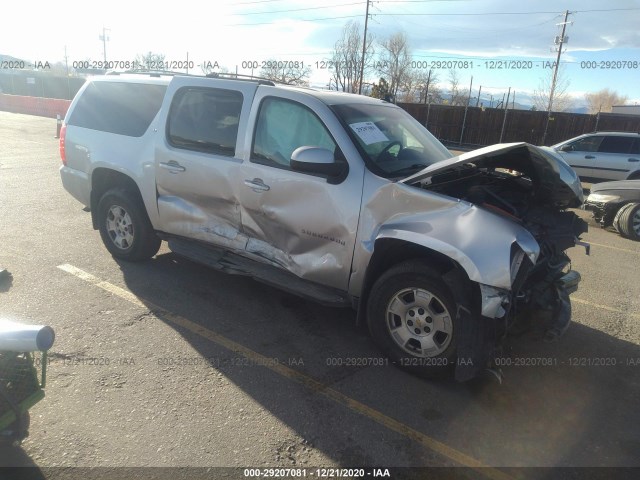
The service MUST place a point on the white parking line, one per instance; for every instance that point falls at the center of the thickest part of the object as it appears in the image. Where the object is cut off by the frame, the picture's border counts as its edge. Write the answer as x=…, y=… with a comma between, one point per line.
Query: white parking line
x=614, y=248
x=306, y=380
x=604, y=307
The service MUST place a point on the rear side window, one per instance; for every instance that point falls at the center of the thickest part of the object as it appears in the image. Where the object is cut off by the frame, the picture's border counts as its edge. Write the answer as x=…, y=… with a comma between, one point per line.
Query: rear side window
x=616, y=144
x=205, y=120
x=118, y=107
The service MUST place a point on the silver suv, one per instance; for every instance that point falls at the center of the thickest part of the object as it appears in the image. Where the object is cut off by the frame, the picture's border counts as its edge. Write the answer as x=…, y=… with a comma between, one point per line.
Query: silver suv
x=603, y=155
x=340, y=198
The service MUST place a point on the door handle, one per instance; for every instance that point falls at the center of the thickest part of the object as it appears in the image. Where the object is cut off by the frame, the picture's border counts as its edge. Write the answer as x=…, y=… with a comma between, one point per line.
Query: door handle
x=257, y=185
x=633, y=160
x=172, y=166
x=589, y=157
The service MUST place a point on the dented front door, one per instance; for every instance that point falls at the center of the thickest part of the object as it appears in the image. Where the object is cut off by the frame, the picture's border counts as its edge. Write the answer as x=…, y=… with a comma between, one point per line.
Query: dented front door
x=299, y=221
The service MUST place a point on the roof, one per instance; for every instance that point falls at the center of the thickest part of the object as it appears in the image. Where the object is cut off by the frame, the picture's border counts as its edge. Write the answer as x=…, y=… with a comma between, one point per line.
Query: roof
x=329, y=97
x=332, y=97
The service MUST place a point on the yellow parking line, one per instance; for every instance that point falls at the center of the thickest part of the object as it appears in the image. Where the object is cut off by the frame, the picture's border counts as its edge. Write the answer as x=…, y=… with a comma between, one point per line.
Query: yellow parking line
x=614, y=248
x=306, y=380
x=604, y=307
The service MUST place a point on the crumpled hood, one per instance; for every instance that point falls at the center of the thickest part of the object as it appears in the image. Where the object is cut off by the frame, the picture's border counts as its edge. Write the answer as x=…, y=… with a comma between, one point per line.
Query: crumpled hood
x=554, y=180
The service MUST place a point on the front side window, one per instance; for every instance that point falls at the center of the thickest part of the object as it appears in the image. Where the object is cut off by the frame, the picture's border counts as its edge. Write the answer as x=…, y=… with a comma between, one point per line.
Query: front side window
x=205, y=120
x=587, y=144
x=283, y=126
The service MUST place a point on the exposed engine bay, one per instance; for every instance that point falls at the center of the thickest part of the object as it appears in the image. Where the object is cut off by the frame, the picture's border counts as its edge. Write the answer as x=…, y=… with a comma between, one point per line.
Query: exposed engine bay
x=539, y=297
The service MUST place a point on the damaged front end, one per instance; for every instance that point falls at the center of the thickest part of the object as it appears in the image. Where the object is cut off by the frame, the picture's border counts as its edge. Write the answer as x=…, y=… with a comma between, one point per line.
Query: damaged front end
x=533, y=189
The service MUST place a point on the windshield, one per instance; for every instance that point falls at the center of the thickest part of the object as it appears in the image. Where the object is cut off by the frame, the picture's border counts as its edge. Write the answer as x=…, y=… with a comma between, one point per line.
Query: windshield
x=393, y=142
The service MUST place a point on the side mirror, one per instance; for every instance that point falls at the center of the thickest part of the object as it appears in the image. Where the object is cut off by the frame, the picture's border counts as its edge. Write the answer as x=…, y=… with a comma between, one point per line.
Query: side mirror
x=566, y=148
x=317, y=160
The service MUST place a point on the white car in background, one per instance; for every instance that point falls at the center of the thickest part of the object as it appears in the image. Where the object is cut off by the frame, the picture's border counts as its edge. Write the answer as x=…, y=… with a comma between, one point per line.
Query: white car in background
x=603, y=155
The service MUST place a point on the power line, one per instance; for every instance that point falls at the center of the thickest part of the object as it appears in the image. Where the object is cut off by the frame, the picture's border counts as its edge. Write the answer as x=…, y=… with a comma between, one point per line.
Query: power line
x=297, y=9
x=504, y=13
x=293, y=19
x=257, y=1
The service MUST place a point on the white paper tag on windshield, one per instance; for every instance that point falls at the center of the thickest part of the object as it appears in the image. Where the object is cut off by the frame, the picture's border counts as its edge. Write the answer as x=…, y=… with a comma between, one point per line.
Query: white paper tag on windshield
x=368, y=132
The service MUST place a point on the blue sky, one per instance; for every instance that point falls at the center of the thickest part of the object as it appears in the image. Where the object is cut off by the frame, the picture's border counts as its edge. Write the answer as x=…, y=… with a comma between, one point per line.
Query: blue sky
x=255, y=30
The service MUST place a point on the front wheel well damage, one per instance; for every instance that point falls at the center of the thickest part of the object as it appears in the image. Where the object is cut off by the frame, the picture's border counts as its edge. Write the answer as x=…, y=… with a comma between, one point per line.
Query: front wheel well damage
x=389, y=252
x=104, y=179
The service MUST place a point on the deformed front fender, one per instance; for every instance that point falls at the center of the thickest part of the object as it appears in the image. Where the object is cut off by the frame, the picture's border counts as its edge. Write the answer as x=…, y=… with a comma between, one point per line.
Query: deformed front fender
x=478, y=240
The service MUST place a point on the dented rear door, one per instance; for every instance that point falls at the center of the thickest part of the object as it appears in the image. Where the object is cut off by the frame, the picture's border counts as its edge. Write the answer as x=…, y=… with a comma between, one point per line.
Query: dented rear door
x=198, y=156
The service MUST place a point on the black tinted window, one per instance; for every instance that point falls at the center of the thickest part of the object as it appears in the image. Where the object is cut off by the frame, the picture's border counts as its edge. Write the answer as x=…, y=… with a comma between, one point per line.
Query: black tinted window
x=616, y=145
x=205, y=119
x=635, y=150
x=118, y=107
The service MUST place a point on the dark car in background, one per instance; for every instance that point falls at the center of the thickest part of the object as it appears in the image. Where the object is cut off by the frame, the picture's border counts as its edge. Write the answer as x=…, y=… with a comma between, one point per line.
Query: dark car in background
x=617, y=204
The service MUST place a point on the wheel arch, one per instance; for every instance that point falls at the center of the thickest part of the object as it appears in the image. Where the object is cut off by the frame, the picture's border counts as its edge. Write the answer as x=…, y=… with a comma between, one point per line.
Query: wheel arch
x=104, y=179
x=392, y=251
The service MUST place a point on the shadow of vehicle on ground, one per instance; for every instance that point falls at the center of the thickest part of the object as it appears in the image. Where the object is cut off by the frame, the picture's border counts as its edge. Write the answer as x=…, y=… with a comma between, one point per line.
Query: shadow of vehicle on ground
x=559, y=404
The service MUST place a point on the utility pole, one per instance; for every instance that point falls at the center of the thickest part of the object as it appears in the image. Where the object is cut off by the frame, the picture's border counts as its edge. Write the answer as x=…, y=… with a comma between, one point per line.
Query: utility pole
x=466, y=108
x=504, y=120
x=104, y=39
x=561, y=40
x=364, y=48
x=426, y=93
x=66, y=60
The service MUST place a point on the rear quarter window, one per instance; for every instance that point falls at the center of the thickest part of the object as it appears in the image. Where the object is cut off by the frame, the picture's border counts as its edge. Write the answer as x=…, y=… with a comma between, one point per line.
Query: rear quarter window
x=118, y=107
x=615, y=144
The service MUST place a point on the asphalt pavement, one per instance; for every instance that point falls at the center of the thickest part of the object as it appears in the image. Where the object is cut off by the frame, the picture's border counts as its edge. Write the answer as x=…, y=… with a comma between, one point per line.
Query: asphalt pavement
x=169, y=364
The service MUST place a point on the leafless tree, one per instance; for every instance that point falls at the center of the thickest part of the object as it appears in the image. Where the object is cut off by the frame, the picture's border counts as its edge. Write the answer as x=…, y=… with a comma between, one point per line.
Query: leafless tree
x=208, y=68
x=603, y=100
x=150, y=61
x=459, y=96
x=427, y=86
x=418, y=84
x=394, y=62
x=283, y=71
x=346, y=60
x=561, y=99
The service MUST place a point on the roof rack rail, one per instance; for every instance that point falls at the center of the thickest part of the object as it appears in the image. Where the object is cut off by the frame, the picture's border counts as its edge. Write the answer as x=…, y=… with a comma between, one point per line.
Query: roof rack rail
x=221, y=75
x=151, y=73
x=260, y=80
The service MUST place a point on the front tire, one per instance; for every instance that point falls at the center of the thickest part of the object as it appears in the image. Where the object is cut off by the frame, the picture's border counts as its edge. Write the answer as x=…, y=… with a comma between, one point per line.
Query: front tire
x=627, y=221
x=124, y=226
x=412, y=318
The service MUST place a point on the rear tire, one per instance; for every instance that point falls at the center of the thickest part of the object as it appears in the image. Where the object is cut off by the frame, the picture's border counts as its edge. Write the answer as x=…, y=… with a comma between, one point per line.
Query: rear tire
x=125, y=227
x=412, y=317
x=627, y=221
